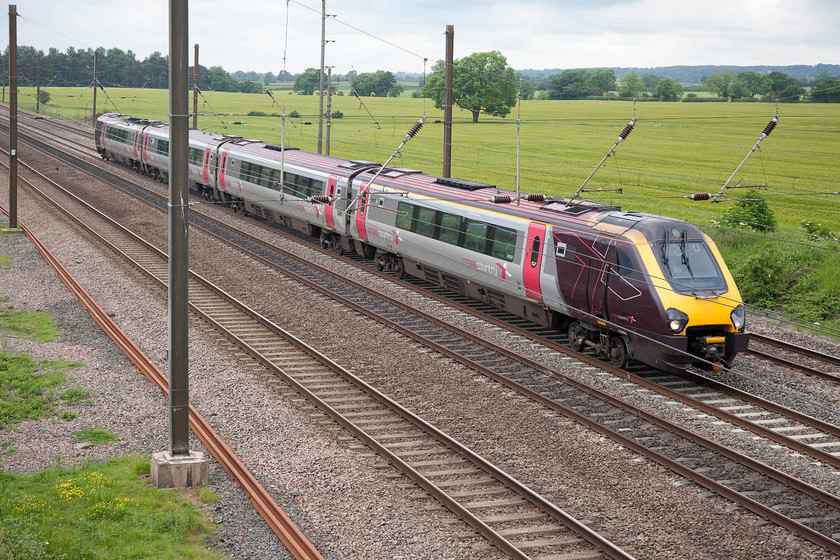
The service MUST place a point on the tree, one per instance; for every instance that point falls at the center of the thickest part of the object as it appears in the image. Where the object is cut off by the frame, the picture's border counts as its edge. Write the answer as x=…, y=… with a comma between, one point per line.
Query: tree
x=651, y=80
x=482, y=81
x=269, y=78
x=284, y=76
x=602, y=81
x=221, y=80
x=379, y=84
x=569, y=84
x=630, y=85
x=526, y=90
x=308, y=82
x=156, y=70
x=44, y=97
x=826, y=92
x=719, y=84
x=754, y=83
x=779, y=81
x=396, y=90
x=351, y=76
x=668, y=90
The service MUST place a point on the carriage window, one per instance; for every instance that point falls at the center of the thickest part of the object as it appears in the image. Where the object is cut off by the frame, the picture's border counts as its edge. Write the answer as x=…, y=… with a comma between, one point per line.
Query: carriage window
x=450, y=228
x=503, y=243
x=196, y=156
x=425, y=222
x=476, y=236
x=404, y=215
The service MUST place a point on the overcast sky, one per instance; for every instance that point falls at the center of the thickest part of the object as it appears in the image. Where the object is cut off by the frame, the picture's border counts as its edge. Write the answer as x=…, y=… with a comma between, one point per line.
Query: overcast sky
x=396, y=35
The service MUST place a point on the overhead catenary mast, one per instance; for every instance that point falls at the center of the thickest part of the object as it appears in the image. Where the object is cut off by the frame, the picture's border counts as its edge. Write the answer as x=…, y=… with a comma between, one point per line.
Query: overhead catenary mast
x=621, y=137
x=717, y=197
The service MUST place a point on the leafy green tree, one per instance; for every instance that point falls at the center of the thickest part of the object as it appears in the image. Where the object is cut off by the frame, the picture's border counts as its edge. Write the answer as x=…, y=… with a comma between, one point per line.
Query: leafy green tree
x=269, y=78
x=651, y=80
x=482, y=81
x=380, y=83
x=569, y=84
x=221, y=80
x=668, y=90
x=156, y=71
x=602, y=80
x=308, y=82
x=630, y=85
x=285, y=76
x=826, y=92
x=754, y=83
x=719, y=84
x=791, y=94
x=779, y=81
x=44, y=97
x=526, y=89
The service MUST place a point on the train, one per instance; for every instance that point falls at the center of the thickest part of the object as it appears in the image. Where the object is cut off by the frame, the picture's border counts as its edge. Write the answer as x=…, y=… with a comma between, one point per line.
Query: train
x=628, y=286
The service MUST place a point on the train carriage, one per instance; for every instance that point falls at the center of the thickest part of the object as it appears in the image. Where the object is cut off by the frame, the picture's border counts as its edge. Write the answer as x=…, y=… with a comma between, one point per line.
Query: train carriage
x=624, y=284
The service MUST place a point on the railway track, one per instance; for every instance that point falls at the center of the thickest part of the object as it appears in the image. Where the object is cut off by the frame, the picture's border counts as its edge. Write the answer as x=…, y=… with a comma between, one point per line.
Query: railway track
x=811, y=362
x=774, y=490
x=704, y=463
x=511, y=516
x=291, y=536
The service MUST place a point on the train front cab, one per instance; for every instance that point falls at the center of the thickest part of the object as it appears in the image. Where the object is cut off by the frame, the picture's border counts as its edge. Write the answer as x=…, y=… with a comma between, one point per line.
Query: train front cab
x=699, y=315
x=627, y=302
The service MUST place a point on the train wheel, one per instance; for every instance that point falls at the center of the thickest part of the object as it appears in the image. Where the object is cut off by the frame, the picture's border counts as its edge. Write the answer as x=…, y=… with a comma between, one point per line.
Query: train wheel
x=379, y=260
x=576, y=336
x=618, y=352
x=399, y=268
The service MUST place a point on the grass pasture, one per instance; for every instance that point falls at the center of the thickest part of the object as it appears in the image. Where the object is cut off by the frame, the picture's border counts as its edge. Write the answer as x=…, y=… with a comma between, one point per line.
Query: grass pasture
x=676, y=149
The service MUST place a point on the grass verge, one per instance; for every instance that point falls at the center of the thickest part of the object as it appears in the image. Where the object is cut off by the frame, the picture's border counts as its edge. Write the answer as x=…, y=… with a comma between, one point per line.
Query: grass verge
x=103, y=511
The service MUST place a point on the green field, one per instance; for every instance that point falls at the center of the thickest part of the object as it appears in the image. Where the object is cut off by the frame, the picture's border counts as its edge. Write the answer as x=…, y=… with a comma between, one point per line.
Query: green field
x=675, y=150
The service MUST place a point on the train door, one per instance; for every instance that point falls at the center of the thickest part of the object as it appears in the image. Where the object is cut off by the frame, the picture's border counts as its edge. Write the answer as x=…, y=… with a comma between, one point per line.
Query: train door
x=146, y=148
x=579, y=265
x=361, y=210
x=532, y=261
x=603, y=254
x=206, y=165
x=222, y=162
x=136, y=142
x=328, y=207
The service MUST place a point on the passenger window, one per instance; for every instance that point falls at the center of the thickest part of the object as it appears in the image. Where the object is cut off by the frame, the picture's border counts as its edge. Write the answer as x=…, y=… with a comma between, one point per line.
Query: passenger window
x=425, y=224
x=450, y=228
x=404, y=215
x=504, y=243
x=476, y=236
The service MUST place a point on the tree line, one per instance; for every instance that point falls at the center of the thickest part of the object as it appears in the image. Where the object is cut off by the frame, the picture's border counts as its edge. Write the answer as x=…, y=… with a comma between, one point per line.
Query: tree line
x=116, y=68
x=483, y=81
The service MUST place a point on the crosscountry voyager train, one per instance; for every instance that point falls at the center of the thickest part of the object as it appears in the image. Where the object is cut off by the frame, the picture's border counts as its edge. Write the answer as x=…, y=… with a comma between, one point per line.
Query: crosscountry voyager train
x=627, y=285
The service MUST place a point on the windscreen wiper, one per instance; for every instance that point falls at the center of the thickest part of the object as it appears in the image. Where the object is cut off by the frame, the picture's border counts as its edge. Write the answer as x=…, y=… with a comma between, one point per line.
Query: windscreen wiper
x=684, y=254
x=664, y=250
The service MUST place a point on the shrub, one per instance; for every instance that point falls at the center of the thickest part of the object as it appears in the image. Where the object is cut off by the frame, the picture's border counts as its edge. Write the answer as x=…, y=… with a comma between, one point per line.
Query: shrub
x=750, y=211
x=815, y=231
x=294, y=115
x=337, y=115
x=763, y=277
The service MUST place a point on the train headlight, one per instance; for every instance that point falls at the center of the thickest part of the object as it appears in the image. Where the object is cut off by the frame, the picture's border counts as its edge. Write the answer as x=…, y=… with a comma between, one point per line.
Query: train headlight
x=738, y=317
x=677, y=320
